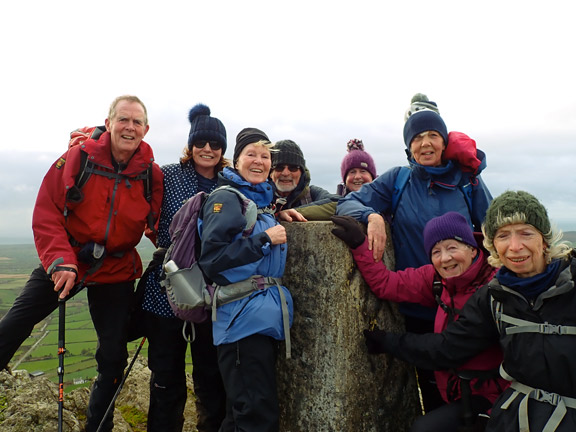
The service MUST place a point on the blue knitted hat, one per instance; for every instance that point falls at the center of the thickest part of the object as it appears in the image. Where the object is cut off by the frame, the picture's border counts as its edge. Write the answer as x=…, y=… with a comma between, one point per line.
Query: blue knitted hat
x=205, y=128
x=422, y=121
x=451, y=225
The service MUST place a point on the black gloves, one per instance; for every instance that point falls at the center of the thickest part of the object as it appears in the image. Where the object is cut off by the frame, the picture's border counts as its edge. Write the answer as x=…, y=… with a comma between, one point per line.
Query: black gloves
x=375, y=341
x=348, y=230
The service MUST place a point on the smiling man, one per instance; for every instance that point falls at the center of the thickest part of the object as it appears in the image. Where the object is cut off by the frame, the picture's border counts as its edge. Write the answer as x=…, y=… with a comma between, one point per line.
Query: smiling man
x=292, y=179
x=86, y=235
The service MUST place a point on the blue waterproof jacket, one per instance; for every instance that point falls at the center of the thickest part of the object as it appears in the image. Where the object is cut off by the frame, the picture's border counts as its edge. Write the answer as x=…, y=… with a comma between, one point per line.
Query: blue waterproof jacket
x=227, y=257
x=430, y=192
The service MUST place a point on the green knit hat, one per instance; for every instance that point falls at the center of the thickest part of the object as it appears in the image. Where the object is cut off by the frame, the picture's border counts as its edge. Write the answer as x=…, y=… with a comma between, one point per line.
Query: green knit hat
x=511, y=203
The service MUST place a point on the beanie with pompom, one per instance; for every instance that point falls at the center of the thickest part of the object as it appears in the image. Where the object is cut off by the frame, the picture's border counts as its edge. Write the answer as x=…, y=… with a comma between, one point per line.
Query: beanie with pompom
x=423, y=121
x=205, y=128
x=357, y=157
x=419, y=102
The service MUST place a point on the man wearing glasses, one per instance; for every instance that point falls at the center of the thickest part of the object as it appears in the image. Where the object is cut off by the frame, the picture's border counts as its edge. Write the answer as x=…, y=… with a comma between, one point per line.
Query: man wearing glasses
x=292, y=181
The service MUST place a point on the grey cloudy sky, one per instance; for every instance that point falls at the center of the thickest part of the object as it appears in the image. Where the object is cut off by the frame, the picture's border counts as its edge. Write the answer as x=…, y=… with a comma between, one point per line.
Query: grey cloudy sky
x=318, y=72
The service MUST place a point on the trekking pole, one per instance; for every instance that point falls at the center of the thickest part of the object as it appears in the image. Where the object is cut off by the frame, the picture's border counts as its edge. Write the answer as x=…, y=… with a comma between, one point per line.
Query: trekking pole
x=121, y=385
x=61, y=352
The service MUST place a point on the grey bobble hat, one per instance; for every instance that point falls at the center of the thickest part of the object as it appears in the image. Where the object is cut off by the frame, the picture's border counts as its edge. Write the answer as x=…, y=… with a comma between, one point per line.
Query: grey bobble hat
x=512, y=203
x=451, y=225
x=419, y=102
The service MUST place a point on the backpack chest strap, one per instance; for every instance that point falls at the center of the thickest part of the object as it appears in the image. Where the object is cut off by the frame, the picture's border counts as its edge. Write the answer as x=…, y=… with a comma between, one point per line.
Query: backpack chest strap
x=560, y=402
x=523, y=326
x=239, y=290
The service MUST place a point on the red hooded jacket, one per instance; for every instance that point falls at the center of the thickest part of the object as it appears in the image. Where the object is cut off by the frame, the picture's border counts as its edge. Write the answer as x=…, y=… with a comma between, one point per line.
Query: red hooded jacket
x=415, y=285
x=109, y=211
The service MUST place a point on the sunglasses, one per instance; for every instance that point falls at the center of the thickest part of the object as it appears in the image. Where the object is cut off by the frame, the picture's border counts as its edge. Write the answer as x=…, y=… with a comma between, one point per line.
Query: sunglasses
x=214, y=145
x=291, y=168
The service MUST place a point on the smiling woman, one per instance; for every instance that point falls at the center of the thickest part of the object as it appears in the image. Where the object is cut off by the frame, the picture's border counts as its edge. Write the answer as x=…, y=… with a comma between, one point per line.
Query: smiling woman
x=527, y=309
x=197, y=171
x=246, y=330
x=459, y=267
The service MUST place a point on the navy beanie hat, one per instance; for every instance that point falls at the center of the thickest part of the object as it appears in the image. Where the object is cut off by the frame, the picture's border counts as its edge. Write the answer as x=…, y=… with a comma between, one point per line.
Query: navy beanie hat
x=422, y=121
x=205, y=128
x=451, y=225
x=246, y=137
x=287, y=152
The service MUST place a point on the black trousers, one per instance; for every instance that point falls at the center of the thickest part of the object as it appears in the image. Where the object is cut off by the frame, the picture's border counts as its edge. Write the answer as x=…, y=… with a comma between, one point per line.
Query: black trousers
x=448, y=418
x=166, y=360
x=249, y=372
x=110, y=307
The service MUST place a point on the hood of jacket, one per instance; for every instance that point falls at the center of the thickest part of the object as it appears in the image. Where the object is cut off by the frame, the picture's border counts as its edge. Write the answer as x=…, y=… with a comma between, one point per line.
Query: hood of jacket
x=262, y=193
x=100, y=153
x=563, y=284
x=447, y=176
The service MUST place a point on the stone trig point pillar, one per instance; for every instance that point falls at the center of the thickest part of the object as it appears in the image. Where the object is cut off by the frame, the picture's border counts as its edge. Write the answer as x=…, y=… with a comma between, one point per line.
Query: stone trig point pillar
x=331, y=383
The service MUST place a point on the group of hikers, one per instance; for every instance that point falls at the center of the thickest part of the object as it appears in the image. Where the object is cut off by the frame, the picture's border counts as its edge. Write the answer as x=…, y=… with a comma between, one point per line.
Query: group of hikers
x=485, y=285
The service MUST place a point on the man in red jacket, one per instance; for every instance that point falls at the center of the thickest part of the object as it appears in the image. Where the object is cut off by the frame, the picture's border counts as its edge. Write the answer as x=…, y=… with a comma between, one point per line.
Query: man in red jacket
x=86, y=235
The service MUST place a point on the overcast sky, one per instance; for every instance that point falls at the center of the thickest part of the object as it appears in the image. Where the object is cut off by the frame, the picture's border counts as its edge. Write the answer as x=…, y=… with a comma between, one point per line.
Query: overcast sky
x=317, y=72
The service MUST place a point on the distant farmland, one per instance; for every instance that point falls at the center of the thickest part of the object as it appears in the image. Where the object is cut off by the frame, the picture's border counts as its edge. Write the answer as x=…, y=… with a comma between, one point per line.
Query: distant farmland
x=39, y=353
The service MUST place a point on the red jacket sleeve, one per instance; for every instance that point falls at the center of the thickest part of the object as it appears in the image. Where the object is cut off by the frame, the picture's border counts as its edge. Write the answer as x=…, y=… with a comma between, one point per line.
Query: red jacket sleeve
x=48, y=220
x=413, y=285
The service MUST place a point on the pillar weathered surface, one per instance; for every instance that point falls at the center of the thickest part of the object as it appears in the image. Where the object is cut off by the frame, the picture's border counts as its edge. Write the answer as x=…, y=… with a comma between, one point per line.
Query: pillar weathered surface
x=331, y=383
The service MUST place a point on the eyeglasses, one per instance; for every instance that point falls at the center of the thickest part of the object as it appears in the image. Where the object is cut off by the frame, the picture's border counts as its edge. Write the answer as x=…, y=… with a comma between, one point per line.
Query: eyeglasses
x=214, y=145
x=291, y=168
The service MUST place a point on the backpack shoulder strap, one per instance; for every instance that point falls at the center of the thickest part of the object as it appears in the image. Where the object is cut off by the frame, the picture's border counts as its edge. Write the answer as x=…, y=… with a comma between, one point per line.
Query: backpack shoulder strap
x=496, y=307
x=249, y=208
x=467, y=188
x=399, y=185
x=84, y=173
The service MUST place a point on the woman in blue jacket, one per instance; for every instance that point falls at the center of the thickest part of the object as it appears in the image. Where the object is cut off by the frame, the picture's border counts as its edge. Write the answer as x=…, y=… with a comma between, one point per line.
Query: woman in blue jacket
x=234, y=257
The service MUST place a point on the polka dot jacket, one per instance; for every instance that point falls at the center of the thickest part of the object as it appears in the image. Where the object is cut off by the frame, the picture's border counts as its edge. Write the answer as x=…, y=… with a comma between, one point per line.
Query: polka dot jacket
x=181, y=181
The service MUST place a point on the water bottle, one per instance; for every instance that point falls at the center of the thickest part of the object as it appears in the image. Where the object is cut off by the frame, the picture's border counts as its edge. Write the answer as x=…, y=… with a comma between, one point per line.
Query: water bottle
x=170, y=267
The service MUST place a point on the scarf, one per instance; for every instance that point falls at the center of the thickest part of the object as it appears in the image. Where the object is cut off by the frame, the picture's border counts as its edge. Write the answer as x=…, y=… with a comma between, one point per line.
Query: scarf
x=533, y=286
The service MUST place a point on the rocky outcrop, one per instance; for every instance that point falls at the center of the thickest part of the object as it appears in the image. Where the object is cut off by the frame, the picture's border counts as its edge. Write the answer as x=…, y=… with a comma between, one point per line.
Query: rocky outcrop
x=31, y=404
